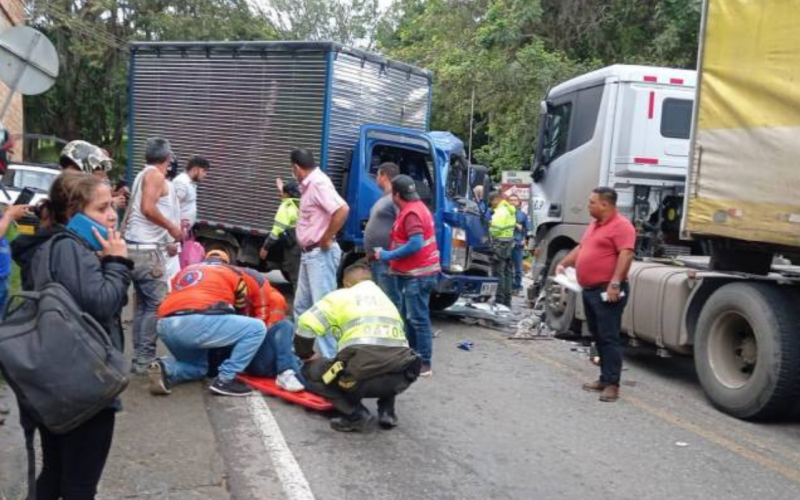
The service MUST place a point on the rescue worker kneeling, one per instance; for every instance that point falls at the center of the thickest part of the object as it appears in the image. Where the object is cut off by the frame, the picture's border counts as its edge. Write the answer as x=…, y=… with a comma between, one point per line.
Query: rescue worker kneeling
x=275, y=357
x=373, y=359
x=199, y=314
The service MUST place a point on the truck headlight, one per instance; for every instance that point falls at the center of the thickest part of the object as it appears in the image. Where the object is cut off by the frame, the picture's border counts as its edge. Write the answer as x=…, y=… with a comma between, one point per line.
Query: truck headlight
x=458, y=251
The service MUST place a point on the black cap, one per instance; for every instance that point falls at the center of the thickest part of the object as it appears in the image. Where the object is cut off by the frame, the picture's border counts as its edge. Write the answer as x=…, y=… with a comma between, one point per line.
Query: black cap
x=404, y=186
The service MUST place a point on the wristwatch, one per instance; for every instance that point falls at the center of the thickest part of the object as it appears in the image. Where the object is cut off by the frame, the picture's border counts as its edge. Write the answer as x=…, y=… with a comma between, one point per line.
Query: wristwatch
x=615, y=285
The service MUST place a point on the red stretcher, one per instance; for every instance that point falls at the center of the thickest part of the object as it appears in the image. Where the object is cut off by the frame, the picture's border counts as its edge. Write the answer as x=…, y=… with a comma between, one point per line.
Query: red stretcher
x=303, y=398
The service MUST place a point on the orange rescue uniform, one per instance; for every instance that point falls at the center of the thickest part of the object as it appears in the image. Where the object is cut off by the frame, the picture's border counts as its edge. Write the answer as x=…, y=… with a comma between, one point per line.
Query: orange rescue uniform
x=263, y=301
x=208, y=287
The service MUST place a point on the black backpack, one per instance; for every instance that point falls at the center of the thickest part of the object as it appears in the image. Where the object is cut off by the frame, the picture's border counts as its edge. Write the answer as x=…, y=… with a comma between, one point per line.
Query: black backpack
x=59, y=361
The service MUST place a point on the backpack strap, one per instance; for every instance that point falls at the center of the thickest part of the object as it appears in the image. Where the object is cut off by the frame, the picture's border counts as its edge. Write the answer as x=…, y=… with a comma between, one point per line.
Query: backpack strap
x=30, y=449
x=46, y=274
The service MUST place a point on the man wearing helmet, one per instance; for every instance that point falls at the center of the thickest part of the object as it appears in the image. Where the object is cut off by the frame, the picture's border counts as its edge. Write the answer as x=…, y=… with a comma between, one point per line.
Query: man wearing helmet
x=82, y=156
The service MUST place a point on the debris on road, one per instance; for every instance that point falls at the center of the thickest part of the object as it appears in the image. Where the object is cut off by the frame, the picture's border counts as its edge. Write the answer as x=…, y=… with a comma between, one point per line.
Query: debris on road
x=681, y=444
x=466, y=345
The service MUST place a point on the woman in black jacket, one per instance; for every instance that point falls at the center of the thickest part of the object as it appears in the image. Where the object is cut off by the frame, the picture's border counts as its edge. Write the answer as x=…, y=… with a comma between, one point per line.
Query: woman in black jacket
x=98, y=281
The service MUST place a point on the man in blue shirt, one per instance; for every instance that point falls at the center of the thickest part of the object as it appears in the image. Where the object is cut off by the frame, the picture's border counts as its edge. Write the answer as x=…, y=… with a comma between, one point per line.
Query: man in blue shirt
x=521, y=231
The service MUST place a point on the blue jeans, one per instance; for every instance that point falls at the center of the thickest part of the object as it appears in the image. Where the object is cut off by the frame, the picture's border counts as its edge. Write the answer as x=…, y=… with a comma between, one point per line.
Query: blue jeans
x=190, y=337
x=516, y=256
x=317, y=279
x=275, y=354
x=150, y=284
x=416, y=293
x=387, y=282
x=3, y=294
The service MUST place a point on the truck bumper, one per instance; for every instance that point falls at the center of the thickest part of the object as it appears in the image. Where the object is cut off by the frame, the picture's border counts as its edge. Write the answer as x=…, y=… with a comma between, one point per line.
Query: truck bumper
x=466, y=285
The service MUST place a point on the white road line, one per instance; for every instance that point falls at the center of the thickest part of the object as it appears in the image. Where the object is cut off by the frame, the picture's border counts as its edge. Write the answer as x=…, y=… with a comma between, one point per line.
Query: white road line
x=292, y=478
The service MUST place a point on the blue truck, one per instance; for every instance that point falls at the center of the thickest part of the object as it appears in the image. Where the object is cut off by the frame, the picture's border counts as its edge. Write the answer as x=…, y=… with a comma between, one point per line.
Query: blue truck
x=246, y=105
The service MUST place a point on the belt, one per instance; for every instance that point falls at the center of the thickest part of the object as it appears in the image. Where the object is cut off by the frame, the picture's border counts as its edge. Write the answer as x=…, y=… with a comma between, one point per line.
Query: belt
x=313, y=246
x=141, y=246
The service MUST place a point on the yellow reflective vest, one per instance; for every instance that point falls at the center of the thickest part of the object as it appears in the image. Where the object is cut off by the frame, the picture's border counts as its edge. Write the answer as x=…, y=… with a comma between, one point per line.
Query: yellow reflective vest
x=359, y=315
x=286, y=217
x=504, y=220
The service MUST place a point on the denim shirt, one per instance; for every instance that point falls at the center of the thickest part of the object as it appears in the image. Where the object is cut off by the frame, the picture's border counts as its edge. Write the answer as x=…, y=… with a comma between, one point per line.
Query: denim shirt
x=519, y=236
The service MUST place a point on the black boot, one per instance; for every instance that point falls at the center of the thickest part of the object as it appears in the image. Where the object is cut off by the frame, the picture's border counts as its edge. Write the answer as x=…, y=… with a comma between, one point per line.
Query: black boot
x=356, y=422
x=387, y=418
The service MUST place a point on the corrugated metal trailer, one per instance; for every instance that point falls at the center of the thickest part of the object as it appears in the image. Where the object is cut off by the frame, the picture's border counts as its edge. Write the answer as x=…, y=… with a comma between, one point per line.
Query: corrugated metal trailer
x=246, y=105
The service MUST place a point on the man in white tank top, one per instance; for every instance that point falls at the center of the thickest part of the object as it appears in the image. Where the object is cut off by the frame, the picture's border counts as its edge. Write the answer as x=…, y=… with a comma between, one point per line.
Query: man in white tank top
x=152, y=228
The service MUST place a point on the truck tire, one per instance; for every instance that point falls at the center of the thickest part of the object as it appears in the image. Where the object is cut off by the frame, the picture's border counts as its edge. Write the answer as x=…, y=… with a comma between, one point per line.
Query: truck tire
x=441, y=301
x=747, y=350
x=560, y=302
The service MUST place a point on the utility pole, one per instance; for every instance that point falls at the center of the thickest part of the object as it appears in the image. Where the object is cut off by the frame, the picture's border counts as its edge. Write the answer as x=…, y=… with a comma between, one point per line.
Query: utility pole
x=471, y=121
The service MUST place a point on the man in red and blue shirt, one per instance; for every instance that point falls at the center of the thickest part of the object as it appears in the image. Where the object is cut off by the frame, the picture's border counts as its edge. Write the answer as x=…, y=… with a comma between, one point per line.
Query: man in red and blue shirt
x=414, y=259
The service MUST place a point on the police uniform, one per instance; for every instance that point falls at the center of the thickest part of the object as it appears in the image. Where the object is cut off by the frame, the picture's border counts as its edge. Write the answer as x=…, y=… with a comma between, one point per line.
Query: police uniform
x=373, y=358
x=283, y=231
x=504, y=221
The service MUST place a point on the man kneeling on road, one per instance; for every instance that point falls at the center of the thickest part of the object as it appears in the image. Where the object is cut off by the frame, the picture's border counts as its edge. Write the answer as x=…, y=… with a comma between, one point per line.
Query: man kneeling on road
x=199, y=314
x=373, y=358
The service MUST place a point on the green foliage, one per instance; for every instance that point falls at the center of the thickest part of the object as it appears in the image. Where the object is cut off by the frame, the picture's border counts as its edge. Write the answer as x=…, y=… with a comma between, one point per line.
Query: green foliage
x=89, y=100
x=507, y=52
x=512, y=51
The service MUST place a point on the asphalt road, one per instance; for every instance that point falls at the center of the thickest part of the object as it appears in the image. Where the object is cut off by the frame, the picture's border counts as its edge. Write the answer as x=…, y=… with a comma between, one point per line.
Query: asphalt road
x=509, y=420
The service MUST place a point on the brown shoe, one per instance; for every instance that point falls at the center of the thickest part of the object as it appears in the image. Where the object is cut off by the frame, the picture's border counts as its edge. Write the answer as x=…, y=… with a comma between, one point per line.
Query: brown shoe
x=596, y=386
x=610, y=393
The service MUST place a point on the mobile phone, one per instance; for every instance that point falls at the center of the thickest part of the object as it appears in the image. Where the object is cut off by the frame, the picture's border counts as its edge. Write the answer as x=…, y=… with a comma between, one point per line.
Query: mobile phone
x=82, y=225
x=25, y=196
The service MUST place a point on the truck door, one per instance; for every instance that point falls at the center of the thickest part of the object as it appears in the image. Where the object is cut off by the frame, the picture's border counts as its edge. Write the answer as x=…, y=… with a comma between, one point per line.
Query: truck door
x=653, y=127
x=411, y=150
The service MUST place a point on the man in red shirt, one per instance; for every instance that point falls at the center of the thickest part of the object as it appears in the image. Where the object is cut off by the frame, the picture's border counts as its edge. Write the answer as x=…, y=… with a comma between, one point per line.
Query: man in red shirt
x=602, y=261
x=414, y=260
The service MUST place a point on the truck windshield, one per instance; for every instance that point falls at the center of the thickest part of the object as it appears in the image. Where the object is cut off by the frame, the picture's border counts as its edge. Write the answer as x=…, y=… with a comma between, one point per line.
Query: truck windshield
x=416, y=164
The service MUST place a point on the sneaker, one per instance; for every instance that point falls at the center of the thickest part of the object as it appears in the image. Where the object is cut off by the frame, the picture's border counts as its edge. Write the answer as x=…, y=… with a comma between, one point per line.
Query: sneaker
x=158, y=378
x=426, y=371
x=233, y=387
x=287, y=381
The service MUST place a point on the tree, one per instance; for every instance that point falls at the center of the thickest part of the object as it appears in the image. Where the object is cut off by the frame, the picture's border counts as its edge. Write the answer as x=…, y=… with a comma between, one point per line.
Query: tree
x=350, y=22
x=89, y=99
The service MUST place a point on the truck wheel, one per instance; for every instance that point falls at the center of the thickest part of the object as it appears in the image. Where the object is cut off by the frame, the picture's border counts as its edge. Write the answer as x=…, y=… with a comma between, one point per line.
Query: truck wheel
x=747, y=351
x=560, y=302
x=441, y=301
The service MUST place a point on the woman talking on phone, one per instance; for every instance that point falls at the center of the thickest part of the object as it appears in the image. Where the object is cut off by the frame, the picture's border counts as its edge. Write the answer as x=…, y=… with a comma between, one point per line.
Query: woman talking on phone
x=90, y=259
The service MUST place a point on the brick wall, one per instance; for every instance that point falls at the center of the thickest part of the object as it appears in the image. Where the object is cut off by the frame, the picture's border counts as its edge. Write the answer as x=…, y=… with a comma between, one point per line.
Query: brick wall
x=12, y=14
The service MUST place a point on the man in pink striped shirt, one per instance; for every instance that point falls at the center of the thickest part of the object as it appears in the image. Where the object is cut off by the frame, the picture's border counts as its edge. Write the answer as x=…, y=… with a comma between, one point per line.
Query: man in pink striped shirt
x=322, y=214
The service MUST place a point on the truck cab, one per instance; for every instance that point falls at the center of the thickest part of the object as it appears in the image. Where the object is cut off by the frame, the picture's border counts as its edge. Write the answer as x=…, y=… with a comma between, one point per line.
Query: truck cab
x=445, y=182
x=626, y=127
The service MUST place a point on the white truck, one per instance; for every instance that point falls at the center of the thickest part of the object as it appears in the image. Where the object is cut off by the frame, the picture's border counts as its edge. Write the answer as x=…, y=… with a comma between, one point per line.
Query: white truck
x=622, y=126
x=736, y=309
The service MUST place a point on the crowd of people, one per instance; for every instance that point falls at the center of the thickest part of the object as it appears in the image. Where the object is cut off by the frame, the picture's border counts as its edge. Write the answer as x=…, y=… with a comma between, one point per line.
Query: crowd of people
x=372, y=338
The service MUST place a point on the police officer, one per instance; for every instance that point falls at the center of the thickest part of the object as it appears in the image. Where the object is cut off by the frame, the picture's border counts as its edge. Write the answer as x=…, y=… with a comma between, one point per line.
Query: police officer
x=373, y=359
x=283, y=230
x=504, y=220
